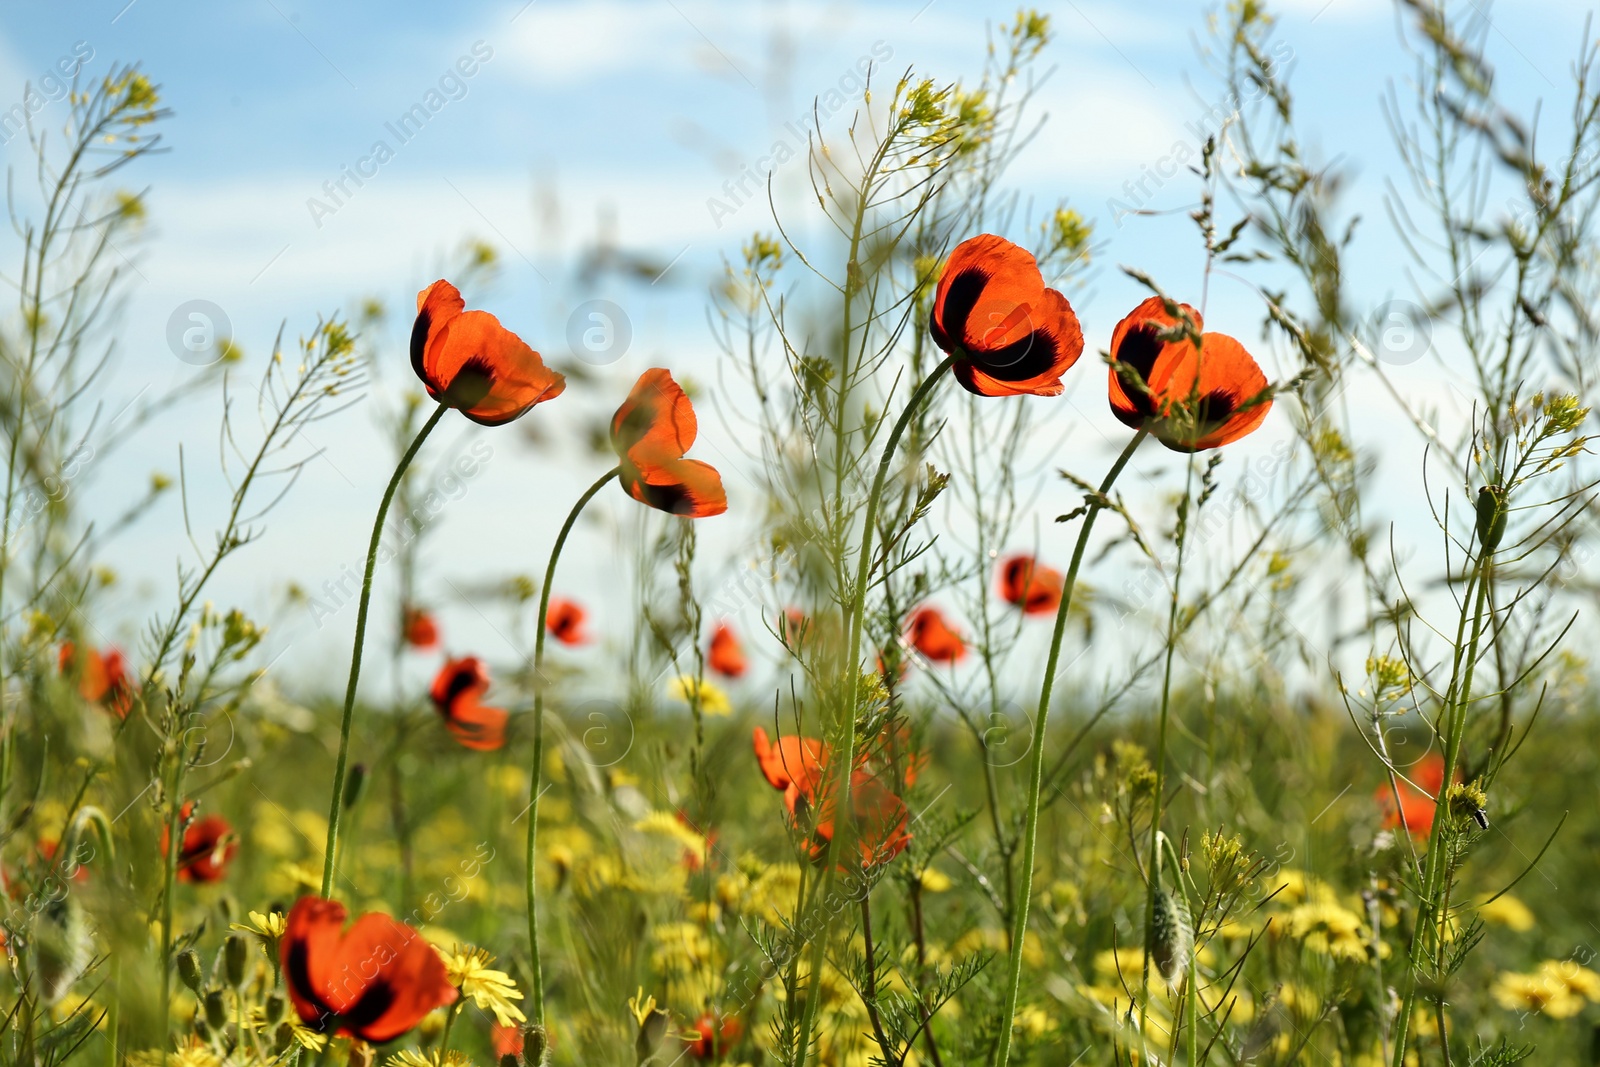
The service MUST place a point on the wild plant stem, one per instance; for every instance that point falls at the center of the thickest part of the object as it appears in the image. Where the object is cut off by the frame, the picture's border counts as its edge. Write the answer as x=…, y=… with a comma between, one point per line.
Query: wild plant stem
x=1455, y=715
x=1030, y=829
x=840, y=766
x=336, y=805
x=1161, y=746
x=536, y=971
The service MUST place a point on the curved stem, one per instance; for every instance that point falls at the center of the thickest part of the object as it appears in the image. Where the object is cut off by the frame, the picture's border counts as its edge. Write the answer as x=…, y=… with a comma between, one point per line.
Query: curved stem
x=847, y=756
x=537, y=974
x=1030, y=830
x=337, y=804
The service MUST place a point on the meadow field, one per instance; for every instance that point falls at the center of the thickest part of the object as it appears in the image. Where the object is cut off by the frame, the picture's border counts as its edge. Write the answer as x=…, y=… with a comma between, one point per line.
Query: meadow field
x=954, y=712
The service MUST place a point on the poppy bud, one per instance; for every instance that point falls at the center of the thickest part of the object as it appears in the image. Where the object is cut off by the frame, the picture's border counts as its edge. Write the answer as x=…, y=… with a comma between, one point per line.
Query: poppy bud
x=189, y=969
x=273, y=1009
x=1171, y=936
x=534, y=1043
x=1491, y=517
x=352, y=785
x=216, y=1010
x=510, y=1060
x=235, y=960
x=283, y=1037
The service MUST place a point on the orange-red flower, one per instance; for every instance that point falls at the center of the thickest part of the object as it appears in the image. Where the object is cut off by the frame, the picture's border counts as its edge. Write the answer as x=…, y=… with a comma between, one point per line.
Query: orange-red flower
x=1192, y=395
x=457, y=692
x=468, y=361
x=564, y=620
x=726, y=655
x=505, y=1040
x=798, y=766
x=711, y=1036
x=102, y=677
x=1030, y=585
x=1012, y=334
x=1417, y=804
x=374, y=982
x=651, y=431
x=419, y=629
x=793, y=765
x=932, y=636
x=208, y=846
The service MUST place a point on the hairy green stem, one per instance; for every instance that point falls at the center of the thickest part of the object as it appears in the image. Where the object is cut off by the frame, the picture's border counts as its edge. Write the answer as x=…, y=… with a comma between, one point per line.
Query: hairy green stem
x=1030, y=830
x=536, y=971
x=336, y=805
x=847, y=754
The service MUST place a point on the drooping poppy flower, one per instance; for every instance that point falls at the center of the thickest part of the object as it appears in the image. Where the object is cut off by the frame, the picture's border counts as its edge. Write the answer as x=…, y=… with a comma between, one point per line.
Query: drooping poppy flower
x=651, y=431
x=374, y=982
x=468, y=361
x=1013, y=335
x=879, y=820
x=457, y=692
x=713, y=1036
x=726, y=655
x=932, y=636
x=209, y=845
x=102, y=677
x=1030, y=585
x=1417, y=805
x=565, y=619
x=419, y=629
x=1193, y=396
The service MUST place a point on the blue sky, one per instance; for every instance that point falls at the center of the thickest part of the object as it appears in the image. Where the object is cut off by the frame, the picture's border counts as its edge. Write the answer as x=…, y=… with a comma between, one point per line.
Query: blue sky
x=626, y=117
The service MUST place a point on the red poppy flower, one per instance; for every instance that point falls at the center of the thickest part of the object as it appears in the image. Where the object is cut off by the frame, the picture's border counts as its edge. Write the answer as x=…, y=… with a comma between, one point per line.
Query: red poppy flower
x=1417, y=804
x=102, y=677
x=1193, y=396
x=506, y=1041
x=932, y=636
x=420, y=631
x=711, y=1036
x=468, y=361
x=726, y=655
x=1014, y=335
x=564, y=620
x=798, y=766
x=793, y=765
x=1030, y=585
x=651, y=431
x=457, y=693
x=374, y=982
x=208, y=846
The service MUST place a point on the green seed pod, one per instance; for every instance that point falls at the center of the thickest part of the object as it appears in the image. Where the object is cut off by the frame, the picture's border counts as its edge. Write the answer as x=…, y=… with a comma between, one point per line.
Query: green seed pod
x=283, y=1037
x=189, y=970
x=236, y=960
x=216, y=1010
x=533, y=1045
x=273, y=1008
x=1171, y=935
x=1491, y=517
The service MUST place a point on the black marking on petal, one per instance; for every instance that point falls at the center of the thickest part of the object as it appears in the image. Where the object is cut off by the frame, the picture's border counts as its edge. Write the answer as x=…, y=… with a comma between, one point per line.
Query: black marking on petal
x=1020, y=360
x=374, y=1003
x=469, y=385
x=959, y=300
x=419, y=342
x=1139, y=349
x=297, y=971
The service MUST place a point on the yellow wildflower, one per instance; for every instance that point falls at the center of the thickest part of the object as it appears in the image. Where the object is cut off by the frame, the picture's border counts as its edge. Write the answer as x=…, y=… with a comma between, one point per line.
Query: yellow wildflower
x=1508, y=911
x=491, y=990
x=712, y=700
x=1537, y=993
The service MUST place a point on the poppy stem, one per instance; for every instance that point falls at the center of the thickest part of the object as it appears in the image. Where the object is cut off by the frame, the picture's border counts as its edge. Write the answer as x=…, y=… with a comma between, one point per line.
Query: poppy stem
x=1030, y=831
x=340, y=768
x=536, y=973
x=853, y=663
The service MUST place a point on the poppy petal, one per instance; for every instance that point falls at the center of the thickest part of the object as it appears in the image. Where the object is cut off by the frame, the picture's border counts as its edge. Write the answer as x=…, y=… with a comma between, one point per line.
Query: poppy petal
x=477, y=726
x=1136, y=342
x=408, y=979
x=309, y=948
x=684, y=487
x=1229, y=394
x=656, y=419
